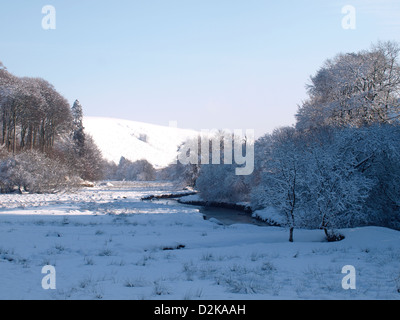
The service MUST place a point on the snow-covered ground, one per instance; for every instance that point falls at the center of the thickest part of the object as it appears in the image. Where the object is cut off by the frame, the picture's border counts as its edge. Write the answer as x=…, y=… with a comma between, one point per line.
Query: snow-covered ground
x=136, y=140
x=107, y=244
x=270, y=215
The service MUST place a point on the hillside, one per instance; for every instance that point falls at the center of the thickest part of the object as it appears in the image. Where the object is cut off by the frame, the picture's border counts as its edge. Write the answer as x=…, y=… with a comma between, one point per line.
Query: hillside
x=136, y=140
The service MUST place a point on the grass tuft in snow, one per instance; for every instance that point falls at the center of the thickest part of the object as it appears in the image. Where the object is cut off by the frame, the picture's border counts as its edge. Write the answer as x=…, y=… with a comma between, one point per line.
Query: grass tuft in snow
x=144, y=261
x=268, y=267
x=86, y=282
x=160, y=288
x=190, y=295
x=88, y=261
x=105, y=252
x=136, y=283
x=189, y=269
x=119, y=263
x=207, y=257
x=59, y=248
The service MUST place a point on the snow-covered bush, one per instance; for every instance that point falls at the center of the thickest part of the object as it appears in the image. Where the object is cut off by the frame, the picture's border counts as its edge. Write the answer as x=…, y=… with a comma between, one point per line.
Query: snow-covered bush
x=219, y=183
x=140, y=170
x=182, y=175
x=35, y=173
x=217, y=179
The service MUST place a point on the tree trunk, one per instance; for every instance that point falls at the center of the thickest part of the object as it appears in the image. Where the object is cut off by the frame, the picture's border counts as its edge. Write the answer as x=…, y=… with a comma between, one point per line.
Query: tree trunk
x=291, y=234
x=4, y=129
x=14, y=147
x=22, y=140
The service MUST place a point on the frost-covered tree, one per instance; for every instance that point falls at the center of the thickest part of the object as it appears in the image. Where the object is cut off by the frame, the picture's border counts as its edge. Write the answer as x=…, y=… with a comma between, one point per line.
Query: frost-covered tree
x=78, y=134
x=80, y=150
x=378, y=156
x=336, y=190
x=282, y=176
x=57, y=120
x=218, y=180
x=33, y=113
x=185, y=171
x=354, y=89
x=219, y=183
x=140, y=170
x=91, y=162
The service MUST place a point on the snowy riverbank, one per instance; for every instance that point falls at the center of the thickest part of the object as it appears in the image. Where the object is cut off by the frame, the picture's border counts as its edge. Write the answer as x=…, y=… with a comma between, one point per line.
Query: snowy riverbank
x=106, y=243
x=196, y=200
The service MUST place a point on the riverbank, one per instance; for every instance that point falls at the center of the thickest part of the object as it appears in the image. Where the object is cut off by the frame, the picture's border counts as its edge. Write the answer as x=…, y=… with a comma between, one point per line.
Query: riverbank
x=267, y=216
x=174, y=195
x=193, y=198
x=196, y=200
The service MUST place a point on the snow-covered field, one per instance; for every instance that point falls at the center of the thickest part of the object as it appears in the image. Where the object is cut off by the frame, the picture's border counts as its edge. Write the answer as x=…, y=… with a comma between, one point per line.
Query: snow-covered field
x=107, y=244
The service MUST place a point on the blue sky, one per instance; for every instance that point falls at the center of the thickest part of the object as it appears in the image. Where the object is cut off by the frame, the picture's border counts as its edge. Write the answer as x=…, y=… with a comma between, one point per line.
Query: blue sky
x=207, y=64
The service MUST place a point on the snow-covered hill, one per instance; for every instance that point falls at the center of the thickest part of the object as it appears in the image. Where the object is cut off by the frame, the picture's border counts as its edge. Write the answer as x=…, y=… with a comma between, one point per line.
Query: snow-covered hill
x=136, y=140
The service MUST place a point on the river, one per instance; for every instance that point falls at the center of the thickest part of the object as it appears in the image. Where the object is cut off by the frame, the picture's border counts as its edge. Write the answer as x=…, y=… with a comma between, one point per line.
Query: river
x=225, y=216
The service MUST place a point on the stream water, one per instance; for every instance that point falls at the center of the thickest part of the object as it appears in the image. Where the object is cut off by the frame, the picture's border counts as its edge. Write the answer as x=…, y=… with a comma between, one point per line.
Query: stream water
x=225, y=216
